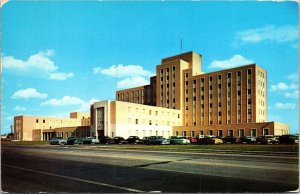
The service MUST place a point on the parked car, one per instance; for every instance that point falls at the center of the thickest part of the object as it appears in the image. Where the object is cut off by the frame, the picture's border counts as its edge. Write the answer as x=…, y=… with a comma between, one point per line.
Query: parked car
x=118, y=140
x=247, y=139
x=144, y=140
x=105, y=139
x=133, y=139
x=155, y=140
x=289, y=139
x=179, y=140
x=74, y=141
x=267, y=139
x=193, y=140
x=58, y=141
x=231, y=139
x=210, y=139
x=91, y=140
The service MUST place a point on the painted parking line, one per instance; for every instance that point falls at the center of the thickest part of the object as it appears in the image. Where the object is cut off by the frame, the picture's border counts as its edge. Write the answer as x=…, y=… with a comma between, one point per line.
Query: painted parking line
x=77, y=179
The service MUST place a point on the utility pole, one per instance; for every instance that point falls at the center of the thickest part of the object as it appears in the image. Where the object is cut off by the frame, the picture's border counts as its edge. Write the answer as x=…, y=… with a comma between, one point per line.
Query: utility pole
x=180, y=46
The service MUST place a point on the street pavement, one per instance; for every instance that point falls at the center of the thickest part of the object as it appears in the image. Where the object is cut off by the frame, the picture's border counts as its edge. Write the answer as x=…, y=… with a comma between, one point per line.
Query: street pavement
x=102, y=169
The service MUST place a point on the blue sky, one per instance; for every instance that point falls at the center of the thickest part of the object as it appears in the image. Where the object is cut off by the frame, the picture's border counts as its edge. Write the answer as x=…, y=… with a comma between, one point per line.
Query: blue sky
x=59, y=56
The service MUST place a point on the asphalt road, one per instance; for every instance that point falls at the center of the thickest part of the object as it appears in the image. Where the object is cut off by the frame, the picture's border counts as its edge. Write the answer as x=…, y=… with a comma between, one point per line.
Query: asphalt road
x=88, y=169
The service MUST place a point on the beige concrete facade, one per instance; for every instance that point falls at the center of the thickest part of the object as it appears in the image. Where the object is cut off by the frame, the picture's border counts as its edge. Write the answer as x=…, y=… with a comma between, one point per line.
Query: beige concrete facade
x=116, y=118
x=243, y=129
x=29, y=128
x=231, y=97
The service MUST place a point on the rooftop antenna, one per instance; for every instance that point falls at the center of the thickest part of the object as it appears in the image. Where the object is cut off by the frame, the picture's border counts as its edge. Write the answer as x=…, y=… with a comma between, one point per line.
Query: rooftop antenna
x=116, y=83
x=180, y=46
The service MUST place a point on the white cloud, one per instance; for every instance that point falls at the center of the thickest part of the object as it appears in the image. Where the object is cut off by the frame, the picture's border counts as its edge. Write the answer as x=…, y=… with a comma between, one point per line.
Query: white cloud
x=37, y=65
x=293, y=77
x=28, y=93
x=70, y=100
x=294, y=94
x=279, y=105
x=9, y=118
x=132, y=82
x=283, y=86
x=19, y=108
x=236, y=60
x=60, y=76
x=122, y=71
x=86, y=105
x=65, y=101
x=268, y=33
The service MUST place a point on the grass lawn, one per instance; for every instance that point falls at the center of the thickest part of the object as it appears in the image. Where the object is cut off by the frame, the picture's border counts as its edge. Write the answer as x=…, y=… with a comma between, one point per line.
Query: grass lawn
x=24, y=143
x=240, y=147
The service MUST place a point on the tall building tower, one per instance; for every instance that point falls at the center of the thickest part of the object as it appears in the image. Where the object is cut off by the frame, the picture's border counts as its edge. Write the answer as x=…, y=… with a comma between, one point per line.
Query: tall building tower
x=226, y=102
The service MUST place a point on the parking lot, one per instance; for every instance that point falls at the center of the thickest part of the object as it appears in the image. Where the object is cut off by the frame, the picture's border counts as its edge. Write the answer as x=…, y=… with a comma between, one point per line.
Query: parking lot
x=144, y=168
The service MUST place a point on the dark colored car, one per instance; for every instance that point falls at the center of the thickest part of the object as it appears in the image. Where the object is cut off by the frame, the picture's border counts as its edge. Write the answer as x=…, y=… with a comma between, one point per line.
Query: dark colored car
x=267, y=139
x=133, y=139
x=179, y=140
x=118, y=140
x=231, y=139
x=74, y=140
x=144, y=140
x=210, y=139
x=247, y=139
x=155, y=140
x=105, y=139
x=289, y=139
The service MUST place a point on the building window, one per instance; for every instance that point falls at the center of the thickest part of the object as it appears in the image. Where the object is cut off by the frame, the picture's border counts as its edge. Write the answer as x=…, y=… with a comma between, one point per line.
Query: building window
x=43, y=120
x=136, y=121
x=228, y=75
x=241, y=132
x=220, y=133
x=201, y=132
x=150, y=122
x=192, y=133
x=183, y=133
x=210, y=132
x=265, y=131
x=253, y=132
x=37, y=121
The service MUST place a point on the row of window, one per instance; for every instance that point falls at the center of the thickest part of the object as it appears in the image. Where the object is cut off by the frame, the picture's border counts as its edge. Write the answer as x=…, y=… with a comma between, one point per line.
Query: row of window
x=157, y=113
x=149, y=133
x=150, y=122
x=230, y=132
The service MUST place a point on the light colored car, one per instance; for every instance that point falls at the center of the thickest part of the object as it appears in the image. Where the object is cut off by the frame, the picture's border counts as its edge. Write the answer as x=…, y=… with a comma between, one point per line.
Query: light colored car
x=91, y=140
x=58, y=141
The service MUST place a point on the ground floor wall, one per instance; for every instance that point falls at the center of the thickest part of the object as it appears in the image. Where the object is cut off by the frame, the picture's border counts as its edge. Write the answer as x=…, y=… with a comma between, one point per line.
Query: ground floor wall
x=126, y=130
x=248, y=129
x=65, y=132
